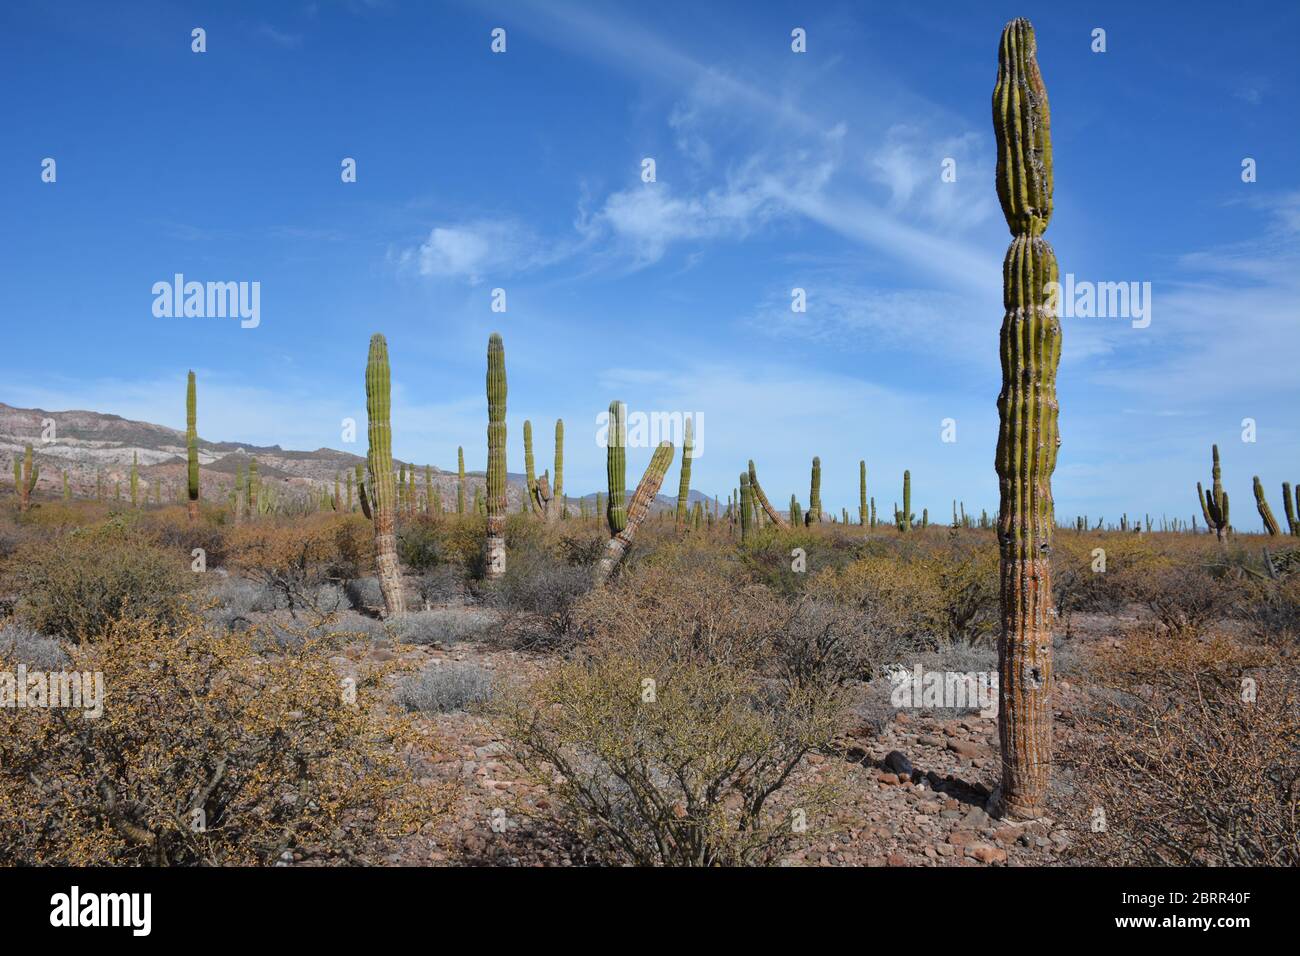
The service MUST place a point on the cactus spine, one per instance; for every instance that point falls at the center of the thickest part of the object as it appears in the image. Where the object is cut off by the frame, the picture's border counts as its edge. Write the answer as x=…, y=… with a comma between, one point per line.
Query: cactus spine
x=496, y=470
x=688, y=453
x=379, y=459
x=638, y=508
x=1265, y=512
x=1214, y=504
x=1027, y=410
x=616, y=468
x=815, y=494
x=192, y=448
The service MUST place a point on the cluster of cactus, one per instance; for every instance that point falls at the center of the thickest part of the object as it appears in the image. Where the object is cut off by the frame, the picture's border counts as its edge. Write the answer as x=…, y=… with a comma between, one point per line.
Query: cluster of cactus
x=1214, y=505
x=379, y=460
x=625, y=517
x=1030, y=346
x=192, y=448
x=26, y=473
x=904, y=518
x=796, y=514
x=539, y=497
x=495, y=505
x=760, y=499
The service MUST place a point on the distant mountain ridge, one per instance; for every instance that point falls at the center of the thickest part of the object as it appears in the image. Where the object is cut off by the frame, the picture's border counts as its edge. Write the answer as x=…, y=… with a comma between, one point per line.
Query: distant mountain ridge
x=89, y=444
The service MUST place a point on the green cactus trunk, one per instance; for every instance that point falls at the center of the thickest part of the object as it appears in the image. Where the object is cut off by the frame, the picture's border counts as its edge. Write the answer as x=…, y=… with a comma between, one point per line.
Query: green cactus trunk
x=496, y=470
x=746, y=507
x=684, y=486
x=638, y=508
x=460, y=480
x=26, y=478
x=558, y=491
x=135, y=479
x=1265, y=512
x=1027, y=410
x=1289, y=507
x=192, y=448
x=379, y=459
x=616, y=468
x=530, y=474
x=796, y=515
x=905, y=516
x=862, y=493
x=814, y=514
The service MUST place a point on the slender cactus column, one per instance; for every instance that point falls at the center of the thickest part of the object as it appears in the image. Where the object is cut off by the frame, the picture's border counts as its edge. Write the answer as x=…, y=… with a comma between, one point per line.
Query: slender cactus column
x=379, y=457
x=192, y=448
x=684, y=486
x=1028, y=437
x=496, y=471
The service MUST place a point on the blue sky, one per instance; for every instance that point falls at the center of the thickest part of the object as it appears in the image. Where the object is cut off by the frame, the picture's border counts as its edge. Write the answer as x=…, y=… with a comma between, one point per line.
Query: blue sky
x=774, y=170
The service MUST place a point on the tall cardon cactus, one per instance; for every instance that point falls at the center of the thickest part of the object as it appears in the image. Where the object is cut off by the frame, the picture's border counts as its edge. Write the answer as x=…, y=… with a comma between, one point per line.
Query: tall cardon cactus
x=616, y=468
x=1030, y=347
x=684, y=486
x=756, y=490
x=192, y=449
x=1265, y=512
x=379, y=459
x=814, y=512
x=862, y=493
x=25, y=478
x=496, y=470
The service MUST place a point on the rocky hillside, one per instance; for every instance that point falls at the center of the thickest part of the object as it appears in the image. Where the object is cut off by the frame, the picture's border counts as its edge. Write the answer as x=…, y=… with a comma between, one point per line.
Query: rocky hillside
x=87, y=445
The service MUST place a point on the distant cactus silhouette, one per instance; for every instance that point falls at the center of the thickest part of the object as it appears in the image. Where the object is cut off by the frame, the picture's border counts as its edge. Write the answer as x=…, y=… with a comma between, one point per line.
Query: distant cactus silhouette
x=862, y=493
x=684, y=485
x=135, y=479
x=26, y=475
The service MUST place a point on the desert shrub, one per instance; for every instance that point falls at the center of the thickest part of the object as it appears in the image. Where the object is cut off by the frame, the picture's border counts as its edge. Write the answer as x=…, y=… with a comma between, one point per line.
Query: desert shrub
x=1077, y=587
x=23, y=644
x=419, y=544
x=77, y=586
x=1184, y=599
x=1189, y=768
x=354, y=544
x=291, y=560
x=583, y=546
x=443, y=688
x=444, y=584
x=206, y=754
x=443, y=626
x=462, y=540
x=1271, y=610
x=536, y=584
x=968, y=586
x=172, y=529
x=903, y=602
x=696, y=772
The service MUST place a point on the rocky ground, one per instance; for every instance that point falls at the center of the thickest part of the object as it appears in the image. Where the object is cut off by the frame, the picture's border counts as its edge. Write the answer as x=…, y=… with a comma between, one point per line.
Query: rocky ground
x=916, y=791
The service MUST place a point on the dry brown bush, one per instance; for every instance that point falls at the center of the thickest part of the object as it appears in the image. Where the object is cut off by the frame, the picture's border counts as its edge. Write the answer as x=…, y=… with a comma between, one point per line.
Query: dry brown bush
x=266, y=748
x=744, y=686
x=1186, y=770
